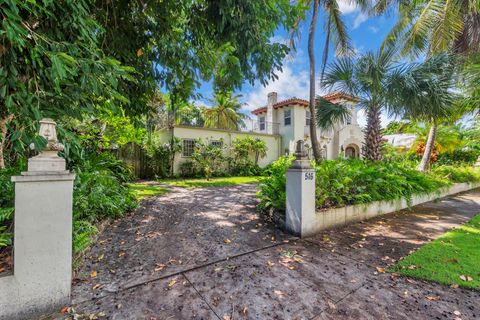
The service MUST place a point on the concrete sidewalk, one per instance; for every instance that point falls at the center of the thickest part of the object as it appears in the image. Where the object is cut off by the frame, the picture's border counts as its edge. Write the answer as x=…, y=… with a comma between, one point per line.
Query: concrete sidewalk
x=205, y=254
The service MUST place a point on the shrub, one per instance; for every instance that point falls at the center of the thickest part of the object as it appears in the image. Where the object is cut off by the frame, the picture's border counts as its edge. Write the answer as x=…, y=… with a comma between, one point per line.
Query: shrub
x=459, y=156
x=207, y=157
x=457, y=174
x=345, y=182
x=161, y=155
x=272, y=186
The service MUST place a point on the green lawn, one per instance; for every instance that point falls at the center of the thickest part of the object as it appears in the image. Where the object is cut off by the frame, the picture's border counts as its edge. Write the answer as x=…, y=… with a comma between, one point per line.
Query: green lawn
x=213, y=182
x=452, y=259
x=142, y=191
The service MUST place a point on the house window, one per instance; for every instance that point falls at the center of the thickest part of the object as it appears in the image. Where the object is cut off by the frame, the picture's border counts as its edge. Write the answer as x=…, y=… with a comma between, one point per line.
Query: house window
x=307, y=118
x=349, y=119
x=287, y=117
x=262, y=123
x=188, y=146
x=217, y=143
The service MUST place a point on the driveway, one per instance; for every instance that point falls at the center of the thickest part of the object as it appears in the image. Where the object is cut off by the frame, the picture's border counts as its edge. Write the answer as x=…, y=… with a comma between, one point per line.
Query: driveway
x=206, y=254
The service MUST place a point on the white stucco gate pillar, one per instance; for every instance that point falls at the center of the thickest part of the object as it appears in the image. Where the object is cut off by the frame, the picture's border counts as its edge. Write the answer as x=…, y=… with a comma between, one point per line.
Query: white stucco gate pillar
x=41, y=281
x=300, y=188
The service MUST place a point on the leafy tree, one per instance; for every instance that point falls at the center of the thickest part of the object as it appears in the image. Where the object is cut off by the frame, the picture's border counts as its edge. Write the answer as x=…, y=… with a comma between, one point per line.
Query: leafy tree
x=426, y=92
x=226, y=114
x=52, y=66
x=179, y=43
x=368, y=78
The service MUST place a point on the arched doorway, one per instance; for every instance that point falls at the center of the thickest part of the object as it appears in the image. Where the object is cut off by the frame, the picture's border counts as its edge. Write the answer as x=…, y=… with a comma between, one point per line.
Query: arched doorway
x=351, y=152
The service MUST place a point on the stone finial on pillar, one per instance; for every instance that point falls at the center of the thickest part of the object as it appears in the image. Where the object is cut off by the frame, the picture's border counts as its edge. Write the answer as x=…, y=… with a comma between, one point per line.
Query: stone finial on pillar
x=48, y=159
x=300, y=189
x=42, y=276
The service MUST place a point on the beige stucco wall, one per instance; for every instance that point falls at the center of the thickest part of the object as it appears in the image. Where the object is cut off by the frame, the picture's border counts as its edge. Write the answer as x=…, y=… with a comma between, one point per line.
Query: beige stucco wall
x=184, y=132
x=342, y=134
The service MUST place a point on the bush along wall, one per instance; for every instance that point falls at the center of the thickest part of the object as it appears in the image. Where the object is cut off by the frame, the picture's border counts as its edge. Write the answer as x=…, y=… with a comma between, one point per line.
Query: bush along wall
x=100, y=192
x=347, y=182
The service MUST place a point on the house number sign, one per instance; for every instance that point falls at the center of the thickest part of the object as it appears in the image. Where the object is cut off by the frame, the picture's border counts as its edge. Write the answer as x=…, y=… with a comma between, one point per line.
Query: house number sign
x=308, y=176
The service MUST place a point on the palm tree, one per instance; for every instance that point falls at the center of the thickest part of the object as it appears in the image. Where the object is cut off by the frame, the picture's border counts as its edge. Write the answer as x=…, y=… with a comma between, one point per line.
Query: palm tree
x=336, y=34
x=328, y=113
x=368, y=78
x=434, y=26
x=226, y=113
x=425, y=92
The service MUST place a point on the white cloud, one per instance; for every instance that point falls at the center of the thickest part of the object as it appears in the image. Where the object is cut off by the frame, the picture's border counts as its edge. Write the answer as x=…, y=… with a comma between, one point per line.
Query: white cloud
x=289, y=84
x=347, y=6
x=373, y=29
x=361, y=18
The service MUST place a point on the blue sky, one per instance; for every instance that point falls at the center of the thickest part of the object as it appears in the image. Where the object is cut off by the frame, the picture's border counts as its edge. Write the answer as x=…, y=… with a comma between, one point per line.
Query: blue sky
x=366, y=33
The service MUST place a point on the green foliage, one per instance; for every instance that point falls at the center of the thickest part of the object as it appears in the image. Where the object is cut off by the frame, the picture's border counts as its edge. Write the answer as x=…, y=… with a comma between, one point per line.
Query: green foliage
x=6, y=217
x=161, y=154
x=226, y=112
x=448, y=259
x=457, y=173
x=458, y=156
x=246, y=153
x=52, y=66
x=345, y=182
x=99, y=189
x=100, y=192
x=83, y=233
x=272, y=186
x=207, y=157
x=193, y=41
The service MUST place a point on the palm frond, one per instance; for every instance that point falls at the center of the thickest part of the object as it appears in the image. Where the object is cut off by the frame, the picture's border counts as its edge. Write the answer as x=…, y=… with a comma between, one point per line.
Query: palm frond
x=328, y=113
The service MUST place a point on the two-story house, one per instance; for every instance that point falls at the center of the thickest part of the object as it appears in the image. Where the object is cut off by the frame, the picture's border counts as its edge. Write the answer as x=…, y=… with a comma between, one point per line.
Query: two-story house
x=291, y=120
x=280, y=124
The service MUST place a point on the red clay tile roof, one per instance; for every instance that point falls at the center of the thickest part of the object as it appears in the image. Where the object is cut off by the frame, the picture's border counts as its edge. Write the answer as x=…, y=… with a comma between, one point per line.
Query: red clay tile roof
x=303, y=102
x=340, y=95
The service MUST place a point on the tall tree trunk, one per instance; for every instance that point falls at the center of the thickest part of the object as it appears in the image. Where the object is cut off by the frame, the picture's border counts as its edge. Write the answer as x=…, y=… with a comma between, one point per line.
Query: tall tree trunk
x=425, y=163
x=373, y=135
x=311, y=105
x=3, y=136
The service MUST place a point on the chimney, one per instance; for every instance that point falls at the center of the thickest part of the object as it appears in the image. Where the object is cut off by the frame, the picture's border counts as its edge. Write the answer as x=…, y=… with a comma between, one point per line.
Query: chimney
x=272, y=99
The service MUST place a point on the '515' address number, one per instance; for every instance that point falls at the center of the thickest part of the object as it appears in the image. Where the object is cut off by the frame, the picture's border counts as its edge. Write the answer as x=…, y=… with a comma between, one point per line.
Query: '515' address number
x=308, y=175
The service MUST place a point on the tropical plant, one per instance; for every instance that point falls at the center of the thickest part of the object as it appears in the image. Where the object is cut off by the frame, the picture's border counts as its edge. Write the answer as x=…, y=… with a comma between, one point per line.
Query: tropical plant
x=162, y=154
x=344, y=182
x=368, y=78
x=336, y=34
x=329, y=114
x=181, y=43
x=244, y=147
x=425, y=92
x=207, y=157
x=226, y=112
x=434, y=26
x=52, y=67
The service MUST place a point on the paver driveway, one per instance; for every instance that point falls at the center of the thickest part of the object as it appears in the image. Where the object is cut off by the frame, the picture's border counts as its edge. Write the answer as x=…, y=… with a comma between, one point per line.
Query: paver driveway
x=206, y=254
